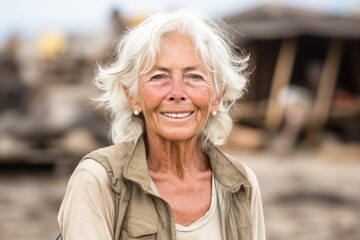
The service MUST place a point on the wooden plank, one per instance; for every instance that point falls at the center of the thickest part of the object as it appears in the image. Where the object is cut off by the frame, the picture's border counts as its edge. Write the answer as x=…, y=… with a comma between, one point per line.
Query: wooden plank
x=282, y=74
x=322, y=104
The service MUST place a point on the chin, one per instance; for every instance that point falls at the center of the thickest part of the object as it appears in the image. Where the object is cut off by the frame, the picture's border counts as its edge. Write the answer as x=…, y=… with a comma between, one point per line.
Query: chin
x=181, y=135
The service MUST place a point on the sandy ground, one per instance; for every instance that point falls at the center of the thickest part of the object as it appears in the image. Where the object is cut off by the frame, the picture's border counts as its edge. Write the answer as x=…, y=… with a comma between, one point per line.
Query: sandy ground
x=305, y=197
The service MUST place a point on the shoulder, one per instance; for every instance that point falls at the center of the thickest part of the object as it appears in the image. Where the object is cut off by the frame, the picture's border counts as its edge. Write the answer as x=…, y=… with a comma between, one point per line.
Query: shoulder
x=88, y=197
x=247, y=172
x=239, y=165
x=89, y=179
x=90, y=167
x=112, y=151
x=112, y=158
x=251, y=179
x=90, y=173
x=251, y=176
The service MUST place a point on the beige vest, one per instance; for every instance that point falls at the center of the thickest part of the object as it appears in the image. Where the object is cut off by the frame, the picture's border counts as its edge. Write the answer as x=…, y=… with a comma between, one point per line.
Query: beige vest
x=140, y=214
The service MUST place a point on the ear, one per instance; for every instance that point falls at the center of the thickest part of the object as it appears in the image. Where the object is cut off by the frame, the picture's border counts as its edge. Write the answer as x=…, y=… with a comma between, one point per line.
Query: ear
x=217, y=101
x=132, y=100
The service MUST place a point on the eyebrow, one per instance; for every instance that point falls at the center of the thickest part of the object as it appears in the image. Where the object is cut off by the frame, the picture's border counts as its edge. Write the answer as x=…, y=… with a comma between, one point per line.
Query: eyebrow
x=186, y=69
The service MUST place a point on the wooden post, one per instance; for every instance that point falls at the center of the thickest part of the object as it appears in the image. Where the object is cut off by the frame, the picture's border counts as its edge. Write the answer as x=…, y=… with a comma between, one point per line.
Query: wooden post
x=322, y=104
x=282, y=74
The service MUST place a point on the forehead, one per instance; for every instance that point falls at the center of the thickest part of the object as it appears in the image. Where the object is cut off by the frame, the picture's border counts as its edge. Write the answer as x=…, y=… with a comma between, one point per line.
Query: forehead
x=177, y=40
x=178, y=49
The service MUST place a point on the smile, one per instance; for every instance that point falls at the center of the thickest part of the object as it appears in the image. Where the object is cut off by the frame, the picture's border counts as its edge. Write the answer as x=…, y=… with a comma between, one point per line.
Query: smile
x=177, y=115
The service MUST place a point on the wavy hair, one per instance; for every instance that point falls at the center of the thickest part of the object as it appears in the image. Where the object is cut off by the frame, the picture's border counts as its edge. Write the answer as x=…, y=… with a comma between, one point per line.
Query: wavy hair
x=136, y=53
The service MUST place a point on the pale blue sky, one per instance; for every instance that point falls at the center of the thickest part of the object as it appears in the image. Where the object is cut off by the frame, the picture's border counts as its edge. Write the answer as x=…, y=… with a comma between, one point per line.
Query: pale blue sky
x=30, y=17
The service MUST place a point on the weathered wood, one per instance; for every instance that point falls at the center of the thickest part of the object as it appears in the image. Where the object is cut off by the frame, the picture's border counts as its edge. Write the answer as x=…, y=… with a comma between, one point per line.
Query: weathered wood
x=282, y=75
x=322, y=104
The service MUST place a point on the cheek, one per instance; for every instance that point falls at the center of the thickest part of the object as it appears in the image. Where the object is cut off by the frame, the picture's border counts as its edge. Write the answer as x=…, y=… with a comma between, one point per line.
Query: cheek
x=151, y=97
x=202, y=97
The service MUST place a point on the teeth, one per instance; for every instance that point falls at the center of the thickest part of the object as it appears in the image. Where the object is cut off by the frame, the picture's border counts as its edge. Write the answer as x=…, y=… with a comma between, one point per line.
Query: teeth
x=177, y=115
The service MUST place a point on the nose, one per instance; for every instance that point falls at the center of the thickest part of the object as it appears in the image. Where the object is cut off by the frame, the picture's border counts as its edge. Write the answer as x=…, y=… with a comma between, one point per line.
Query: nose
x=177, y=92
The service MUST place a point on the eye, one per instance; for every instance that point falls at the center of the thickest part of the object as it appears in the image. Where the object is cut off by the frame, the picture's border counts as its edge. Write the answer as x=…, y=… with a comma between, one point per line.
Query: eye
x=195, y=77
x=158, y=77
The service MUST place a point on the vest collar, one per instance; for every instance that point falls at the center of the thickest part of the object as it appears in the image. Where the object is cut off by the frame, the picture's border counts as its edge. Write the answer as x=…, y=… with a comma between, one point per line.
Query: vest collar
x=228, y=171
x=136, y=169
x=225, y=171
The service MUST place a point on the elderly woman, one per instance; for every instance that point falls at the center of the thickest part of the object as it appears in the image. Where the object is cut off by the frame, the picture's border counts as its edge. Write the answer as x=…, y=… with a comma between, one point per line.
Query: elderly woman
x=170, y=90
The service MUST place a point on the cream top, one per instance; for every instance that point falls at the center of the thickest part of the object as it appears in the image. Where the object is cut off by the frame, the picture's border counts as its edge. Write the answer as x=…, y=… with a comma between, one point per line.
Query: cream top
x=89, y=189
x=207, y=227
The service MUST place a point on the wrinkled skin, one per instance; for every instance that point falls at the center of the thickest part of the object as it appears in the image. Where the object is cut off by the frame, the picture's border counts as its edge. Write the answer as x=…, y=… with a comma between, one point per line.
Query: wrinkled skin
x=176, y=97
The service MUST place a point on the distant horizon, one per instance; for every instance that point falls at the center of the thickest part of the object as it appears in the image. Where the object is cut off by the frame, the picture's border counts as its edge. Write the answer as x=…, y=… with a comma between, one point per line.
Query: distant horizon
x=37, y=16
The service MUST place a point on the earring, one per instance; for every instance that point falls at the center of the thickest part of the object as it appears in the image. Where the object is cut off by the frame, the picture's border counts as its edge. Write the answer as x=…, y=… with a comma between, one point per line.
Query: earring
x=214, y=113
x=136, y=113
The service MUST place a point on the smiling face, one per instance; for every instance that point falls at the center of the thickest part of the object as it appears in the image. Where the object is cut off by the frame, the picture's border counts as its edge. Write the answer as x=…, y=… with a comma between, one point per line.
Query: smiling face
x=176, y=94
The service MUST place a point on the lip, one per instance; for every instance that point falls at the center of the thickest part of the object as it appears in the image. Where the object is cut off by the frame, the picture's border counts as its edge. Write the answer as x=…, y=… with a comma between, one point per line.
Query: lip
x=177, y=115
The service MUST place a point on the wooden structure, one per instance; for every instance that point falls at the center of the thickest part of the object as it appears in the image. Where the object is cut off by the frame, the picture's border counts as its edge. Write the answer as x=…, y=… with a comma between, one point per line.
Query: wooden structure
x=292, y=47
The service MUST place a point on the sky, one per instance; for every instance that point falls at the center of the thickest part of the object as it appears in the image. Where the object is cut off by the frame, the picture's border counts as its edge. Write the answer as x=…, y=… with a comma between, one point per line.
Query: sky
x=31, y=17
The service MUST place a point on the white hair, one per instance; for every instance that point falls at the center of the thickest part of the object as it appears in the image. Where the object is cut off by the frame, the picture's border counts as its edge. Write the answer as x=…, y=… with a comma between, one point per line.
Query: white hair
x=137, y=53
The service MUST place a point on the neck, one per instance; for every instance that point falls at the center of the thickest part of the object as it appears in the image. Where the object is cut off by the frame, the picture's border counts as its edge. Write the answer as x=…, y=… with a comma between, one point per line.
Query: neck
x=176, y=158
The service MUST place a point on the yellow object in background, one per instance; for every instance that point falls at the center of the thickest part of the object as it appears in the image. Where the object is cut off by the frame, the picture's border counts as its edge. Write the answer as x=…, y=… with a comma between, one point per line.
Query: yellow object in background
x=51, y=44
x=134, y=21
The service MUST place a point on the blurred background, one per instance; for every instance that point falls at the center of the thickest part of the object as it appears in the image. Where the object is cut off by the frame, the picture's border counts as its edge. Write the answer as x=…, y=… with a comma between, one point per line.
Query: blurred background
x=297, y=127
